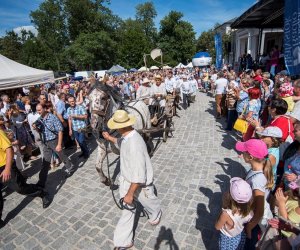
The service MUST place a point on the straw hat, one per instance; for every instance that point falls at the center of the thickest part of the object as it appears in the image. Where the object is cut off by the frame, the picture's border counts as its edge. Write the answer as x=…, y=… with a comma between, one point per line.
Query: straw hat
x=158, y=77
x=145, y=80
x=121, y=119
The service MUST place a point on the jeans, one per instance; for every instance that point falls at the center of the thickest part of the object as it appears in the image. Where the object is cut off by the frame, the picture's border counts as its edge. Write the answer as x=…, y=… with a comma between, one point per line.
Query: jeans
x=48, y=149
x=185, y=100
x=231, y=118
x=80, y=138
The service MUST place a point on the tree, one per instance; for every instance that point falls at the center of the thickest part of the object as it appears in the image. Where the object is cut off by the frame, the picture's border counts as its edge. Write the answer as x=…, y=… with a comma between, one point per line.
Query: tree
x=145, y=14
x=206, y=42
x=49, y=20
x=134, y=44
x=91, y=51
x=10, y=46
x=176, y=38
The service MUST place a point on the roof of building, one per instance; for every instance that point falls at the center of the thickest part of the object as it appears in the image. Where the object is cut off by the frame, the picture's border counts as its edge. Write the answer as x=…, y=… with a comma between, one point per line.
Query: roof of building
x=263, y=14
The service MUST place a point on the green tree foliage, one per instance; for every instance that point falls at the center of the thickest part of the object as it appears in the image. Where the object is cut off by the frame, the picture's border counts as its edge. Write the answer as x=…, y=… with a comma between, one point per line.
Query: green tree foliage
x=176, y=38
x=134, y=44
x=206, y=42
x=10, y=46
x=49, y=20
x=86, y=35
x=91, y=51
x=145, y=14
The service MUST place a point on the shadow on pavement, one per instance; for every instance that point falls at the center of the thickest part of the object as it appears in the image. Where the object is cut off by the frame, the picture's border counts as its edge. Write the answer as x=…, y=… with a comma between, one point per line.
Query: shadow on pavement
x=166, y=238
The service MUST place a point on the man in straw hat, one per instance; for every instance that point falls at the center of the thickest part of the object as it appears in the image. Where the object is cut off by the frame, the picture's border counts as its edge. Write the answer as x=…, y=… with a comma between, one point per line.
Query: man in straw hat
x=136, y=177
x=143, y=92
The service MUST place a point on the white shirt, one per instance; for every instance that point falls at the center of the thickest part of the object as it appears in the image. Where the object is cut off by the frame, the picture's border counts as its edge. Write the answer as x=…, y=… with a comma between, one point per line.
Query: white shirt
x=186, y=87
x=31, y=118
x=161, y=89
x=170, y=84
x=221, y=85
x=135, y=163
x=142, y=92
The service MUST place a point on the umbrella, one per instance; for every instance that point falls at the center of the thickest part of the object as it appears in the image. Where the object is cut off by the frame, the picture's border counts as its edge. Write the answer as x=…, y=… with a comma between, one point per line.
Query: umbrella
x=166, y=67
x=133, y=70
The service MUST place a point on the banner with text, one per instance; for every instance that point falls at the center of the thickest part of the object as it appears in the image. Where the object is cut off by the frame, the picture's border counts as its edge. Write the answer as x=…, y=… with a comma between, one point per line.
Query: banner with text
x=292, y=36
x=218, y=47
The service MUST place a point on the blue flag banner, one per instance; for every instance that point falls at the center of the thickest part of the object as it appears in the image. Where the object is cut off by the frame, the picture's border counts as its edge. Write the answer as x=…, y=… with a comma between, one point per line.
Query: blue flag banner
x=292, y=36
x=218, y=47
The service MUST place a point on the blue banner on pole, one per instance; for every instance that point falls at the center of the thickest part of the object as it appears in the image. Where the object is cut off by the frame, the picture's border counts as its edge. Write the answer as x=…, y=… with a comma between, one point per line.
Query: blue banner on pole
x=218, y=47
x=292, y=36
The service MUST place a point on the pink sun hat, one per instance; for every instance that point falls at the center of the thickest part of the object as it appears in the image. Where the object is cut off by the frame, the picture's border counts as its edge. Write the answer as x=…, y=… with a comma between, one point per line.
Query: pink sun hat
x=255, y=147
x=240, y=190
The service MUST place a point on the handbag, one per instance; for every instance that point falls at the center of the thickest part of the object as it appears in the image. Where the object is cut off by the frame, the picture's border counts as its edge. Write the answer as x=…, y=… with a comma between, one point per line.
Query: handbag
x=241, y=125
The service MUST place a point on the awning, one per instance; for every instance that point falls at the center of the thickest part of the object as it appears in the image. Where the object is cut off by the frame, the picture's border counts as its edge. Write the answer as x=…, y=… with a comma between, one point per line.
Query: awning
x=263, y=14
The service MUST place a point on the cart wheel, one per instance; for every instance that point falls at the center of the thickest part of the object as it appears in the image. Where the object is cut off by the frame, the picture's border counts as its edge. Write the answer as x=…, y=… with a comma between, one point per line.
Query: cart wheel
x=165, y=131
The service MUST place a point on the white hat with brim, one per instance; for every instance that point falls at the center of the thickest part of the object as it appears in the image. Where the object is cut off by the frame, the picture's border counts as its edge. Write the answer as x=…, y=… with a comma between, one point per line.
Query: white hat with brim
x=121, y=119
x=271, y=131
x=145, y=80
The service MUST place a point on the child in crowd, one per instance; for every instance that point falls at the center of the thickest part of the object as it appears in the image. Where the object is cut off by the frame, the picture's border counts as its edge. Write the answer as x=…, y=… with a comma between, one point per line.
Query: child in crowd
x=236, y=212
x=255, y=153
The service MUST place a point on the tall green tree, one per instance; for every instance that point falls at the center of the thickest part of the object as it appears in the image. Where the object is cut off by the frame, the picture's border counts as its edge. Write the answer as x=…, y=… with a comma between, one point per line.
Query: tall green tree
x=49, y=19
x=91, y=51
x=206, y=42
x=145, y=14
x=11, y=45
x=134, y=44
x=176, y=38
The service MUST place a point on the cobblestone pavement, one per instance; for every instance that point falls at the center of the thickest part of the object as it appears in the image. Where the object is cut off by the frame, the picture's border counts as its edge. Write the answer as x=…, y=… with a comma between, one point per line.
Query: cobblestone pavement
x=191, y=171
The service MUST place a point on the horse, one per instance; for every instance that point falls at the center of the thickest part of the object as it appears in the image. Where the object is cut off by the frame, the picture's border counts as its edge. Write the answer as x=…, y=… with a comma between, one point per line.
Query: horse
x=104, y=100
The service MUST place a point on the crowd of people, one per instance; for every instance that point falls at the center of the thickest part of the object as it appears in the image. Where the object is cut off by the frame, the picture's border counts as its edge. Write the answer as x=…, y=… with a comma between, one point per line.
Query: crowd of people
x=55, y=117
x=269, y=109
x=42, y=122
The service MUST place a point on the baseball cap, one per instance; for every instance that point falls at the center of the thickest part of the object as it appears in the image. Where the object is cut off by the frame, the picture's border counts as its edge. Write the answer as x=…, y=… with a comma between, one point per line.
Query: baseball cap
x=240, y=190
x=255, y=147
x=271, y=131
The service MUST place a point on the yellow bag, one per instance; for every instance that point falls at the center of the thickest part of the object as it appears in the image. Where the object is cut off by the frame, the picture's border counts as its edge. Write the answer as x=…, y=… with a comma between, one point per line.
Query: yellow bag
x=241, y=125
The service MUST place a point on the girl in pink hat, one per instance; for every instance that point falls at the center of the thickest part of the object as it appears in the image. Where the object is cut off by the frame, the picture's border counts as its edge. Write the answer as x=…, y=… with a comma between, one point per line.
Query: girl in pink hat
x=255, y=153
x=236, y=211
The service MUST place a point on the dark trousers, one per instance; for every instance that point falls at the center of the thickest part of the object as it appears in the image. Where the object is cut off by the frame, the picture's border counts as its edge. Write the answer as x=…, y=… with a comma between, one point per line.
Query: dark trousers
x=185, y=100
x=19, y=185
x=80, y=138
x=68, y=141
x=231, y=118
x=250, y=243
x=48, y=150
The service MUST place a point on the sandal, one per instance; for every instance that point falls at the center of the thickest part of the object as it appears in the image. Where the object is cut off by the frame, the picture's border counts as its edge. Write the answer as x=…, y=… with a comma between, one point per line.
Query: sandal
x=124, y=248
x=157, y=220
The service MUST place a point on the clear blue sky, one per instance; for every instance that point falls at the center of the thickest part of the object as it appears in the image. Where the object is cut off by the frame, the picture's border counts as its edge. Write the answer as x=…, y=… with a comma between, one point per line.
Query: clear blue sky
x=202, y=14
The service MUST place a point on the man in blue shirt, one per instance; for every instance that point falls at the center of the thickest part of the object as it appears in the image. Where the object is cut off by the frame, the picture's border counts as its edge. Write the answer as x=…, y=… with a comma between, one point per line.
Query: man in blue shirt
x=51, y=130
x=77, y=124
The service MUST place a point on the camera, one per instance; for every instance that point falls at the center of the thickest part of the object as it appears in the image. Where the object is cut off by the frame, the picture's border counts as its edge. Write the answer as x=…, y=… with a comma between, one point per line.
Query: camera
x=38, y=125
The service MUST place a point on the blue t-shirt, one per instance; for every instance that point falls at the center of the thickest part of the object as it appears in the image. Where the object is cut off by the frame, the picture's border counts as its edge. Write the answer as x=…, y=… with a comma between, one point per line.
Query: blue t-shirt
x=242, y=102
x=275, y=153
x=254, y=106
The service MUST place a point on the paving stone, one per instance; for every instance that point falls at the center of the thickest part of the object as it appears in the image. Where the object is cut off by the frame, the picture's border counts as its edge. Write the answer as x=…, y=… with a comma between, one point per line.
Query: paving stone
x=191, y=171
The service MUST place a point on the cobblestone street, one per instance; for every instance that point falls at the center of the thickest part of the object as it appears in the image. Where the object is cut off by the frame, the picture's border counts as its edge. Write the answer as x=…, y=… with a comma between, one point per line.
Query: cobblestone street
x=191, y=170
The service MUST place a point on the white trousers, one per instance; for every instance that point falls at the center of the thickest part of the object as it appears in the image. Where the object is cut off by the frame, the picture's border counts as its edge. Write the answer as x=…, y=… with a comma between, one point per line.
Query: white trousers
x=123, y=235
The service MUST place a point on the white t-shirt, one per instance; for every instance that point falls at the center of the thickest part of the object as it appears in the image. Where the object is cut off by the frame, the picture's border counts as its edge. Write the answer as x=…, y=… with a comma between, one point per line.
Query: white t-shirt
x=221, y=85
x=31, y=118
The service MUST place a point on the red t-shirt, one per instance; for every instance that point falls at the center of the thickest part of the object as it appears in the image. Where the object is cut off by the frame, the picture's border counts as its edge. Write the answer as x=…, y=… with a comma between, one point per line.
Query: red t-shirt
x=283, y=122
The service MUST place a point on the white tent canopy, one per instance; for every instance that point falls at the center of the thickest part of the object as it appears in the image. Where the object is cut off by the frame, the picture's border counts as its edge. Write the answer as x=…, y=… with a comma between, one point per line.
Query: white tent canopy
x=154, y=67
x=143, y=69
x=190, y=65
x=166, y=67
x=180, y=66
x=16, y=75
